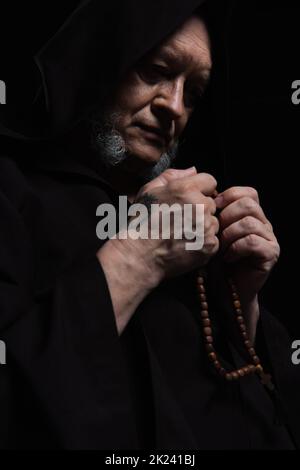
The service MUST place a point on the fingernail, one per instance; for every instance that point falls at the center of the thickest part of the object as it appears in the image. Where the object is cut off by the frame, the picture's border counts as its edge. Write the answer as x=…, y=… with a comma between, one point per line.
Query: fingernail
x=191, y=170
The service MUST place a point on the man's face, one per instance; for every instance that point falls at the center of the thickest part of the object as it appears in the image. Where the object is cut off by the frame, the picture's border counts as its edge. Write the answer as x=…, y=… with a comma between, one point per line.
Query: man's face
x=157, y=97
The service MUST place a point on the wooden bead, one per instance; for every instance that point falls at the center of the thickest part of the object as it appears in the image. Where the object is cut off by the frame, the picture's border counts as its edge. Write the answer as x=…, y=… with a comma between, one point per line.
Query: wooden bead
x=200, y=289
x=256, y=360
x=207, y=331
x=209, y=348
x=212, y=357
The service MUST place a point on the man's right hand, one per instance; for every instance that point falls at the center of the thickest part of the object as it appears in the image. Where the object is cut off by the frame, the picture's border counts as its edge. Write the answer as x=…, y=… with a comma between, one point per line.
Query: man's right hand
x=135, y=267
x=169, y=257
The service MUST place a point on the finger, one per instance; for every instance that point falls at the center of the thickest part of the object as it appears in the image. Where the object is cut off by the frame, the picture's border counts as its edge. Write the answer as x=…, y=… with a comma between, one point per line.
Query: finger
x=235, y=193
x=215, y=225
x=255, y=247
x=170, y=175
x=239, y=210
x=202, y=183
x=208, y=202
x=211, y=225
x=246, y=226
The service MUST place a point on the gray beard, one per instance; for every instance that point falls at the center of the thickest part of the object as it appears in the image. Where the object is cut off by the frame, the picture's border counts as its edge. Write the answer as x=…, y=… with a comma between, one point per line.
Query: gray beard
x=111, y=148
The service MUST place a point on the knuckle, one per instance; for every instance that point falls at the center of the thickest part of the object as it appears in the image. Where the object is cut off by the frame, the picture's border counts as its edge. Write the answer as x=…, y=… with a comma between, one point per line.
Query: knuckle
x=249, y=223
x=277, y=250
x=234, y=248
x=209, y=178
x=248, y=204
x=210, y=205
x=212, y=244
x=207, y=223
x=252, y=240
x=226, y=235
x=234, y=193
x=171, y=172
x=253, y=193
x=222, y=219
x=216, y=225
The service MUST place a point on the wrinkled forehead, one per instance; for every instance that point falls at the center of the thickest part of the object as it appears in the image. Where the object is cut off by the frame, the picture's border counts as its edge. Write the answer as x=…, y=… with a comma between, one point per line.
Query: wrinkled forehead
x=188, y=47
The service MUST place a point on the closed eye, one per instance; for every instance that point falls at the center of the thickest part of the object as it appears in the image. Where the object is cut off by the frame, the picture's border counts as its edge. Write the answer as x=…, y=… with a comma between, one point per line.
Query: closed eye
x=154, y=73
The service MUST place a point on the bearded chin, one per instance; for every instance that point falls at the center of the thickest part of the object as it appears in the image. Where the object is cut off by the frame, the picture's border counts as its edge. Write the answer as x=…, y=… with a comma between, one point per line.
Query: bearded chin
x=111, y=149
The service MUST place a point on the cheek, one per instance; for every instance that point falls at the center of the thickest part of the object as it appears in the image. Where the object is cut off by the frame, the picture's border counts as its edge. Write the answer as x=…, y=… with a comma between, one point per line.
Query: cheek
x=134, y=96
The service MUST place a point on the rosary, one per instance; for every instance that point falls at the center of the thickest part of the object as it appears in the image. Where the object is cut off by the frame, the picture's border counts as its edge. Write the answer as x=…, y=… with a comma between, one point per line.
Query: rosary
x=254, y=366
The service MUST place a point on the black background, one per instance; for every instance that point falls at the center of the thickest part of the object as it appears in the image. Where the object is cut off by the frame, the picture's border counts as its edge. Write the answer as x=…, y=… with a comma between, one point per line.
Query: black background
x=263, y=124
x=264, y=133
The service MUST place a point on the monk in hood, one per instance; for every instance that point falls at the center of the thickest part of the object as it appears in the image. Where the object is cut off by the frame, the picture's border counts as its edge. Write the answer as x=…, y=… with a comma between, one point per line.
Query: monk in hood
x=134, y=342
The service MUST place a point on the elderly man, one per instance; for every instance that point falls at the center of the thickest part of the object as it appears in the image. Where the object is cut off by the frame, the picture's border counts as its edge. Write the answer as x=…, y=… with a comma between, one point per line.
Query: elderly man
x=105, y=345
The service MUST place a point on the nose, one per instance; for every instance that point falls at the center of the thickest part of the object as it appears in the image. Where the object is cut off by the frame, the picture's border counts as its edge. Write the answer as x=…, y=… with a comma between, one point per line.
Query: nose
x=170, y=99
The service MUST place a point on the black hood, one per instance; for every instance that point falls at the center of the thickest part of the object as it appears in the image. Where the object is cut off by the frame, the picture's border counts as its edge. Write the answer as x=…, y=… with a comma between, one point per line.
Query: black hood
x=84, y=61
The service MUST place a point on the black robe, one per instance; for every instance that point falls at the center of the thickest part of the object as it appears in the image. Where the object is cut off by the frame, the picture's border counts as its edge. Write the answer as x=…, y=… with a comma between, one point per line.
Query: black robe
x=70, y=381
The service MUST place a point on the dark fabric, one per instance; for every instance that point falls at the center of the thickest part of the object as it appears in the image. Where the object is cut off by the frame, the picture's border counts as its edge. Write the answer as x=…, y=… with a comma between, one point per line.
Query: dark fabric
x=70, y=381
x=85, y=59
x=80, y=66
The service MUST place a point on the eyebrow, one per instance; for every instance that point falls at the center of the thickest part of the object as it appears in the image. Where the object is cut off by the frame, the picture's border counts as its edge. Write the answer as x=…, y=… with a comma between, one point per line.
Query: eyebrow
x=171, y=57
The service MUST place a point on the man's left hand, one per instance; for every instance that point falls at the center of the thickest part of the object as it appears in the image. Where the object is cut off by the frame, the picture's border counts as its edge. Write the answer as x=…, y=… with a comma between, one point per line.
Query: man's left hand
x=247, y=240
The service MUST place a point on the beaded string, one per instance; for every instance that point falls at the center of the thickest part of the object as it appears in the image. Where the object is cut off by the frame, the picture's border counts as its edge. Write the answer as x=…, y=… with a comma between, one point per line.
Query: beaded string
x=254, y=366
